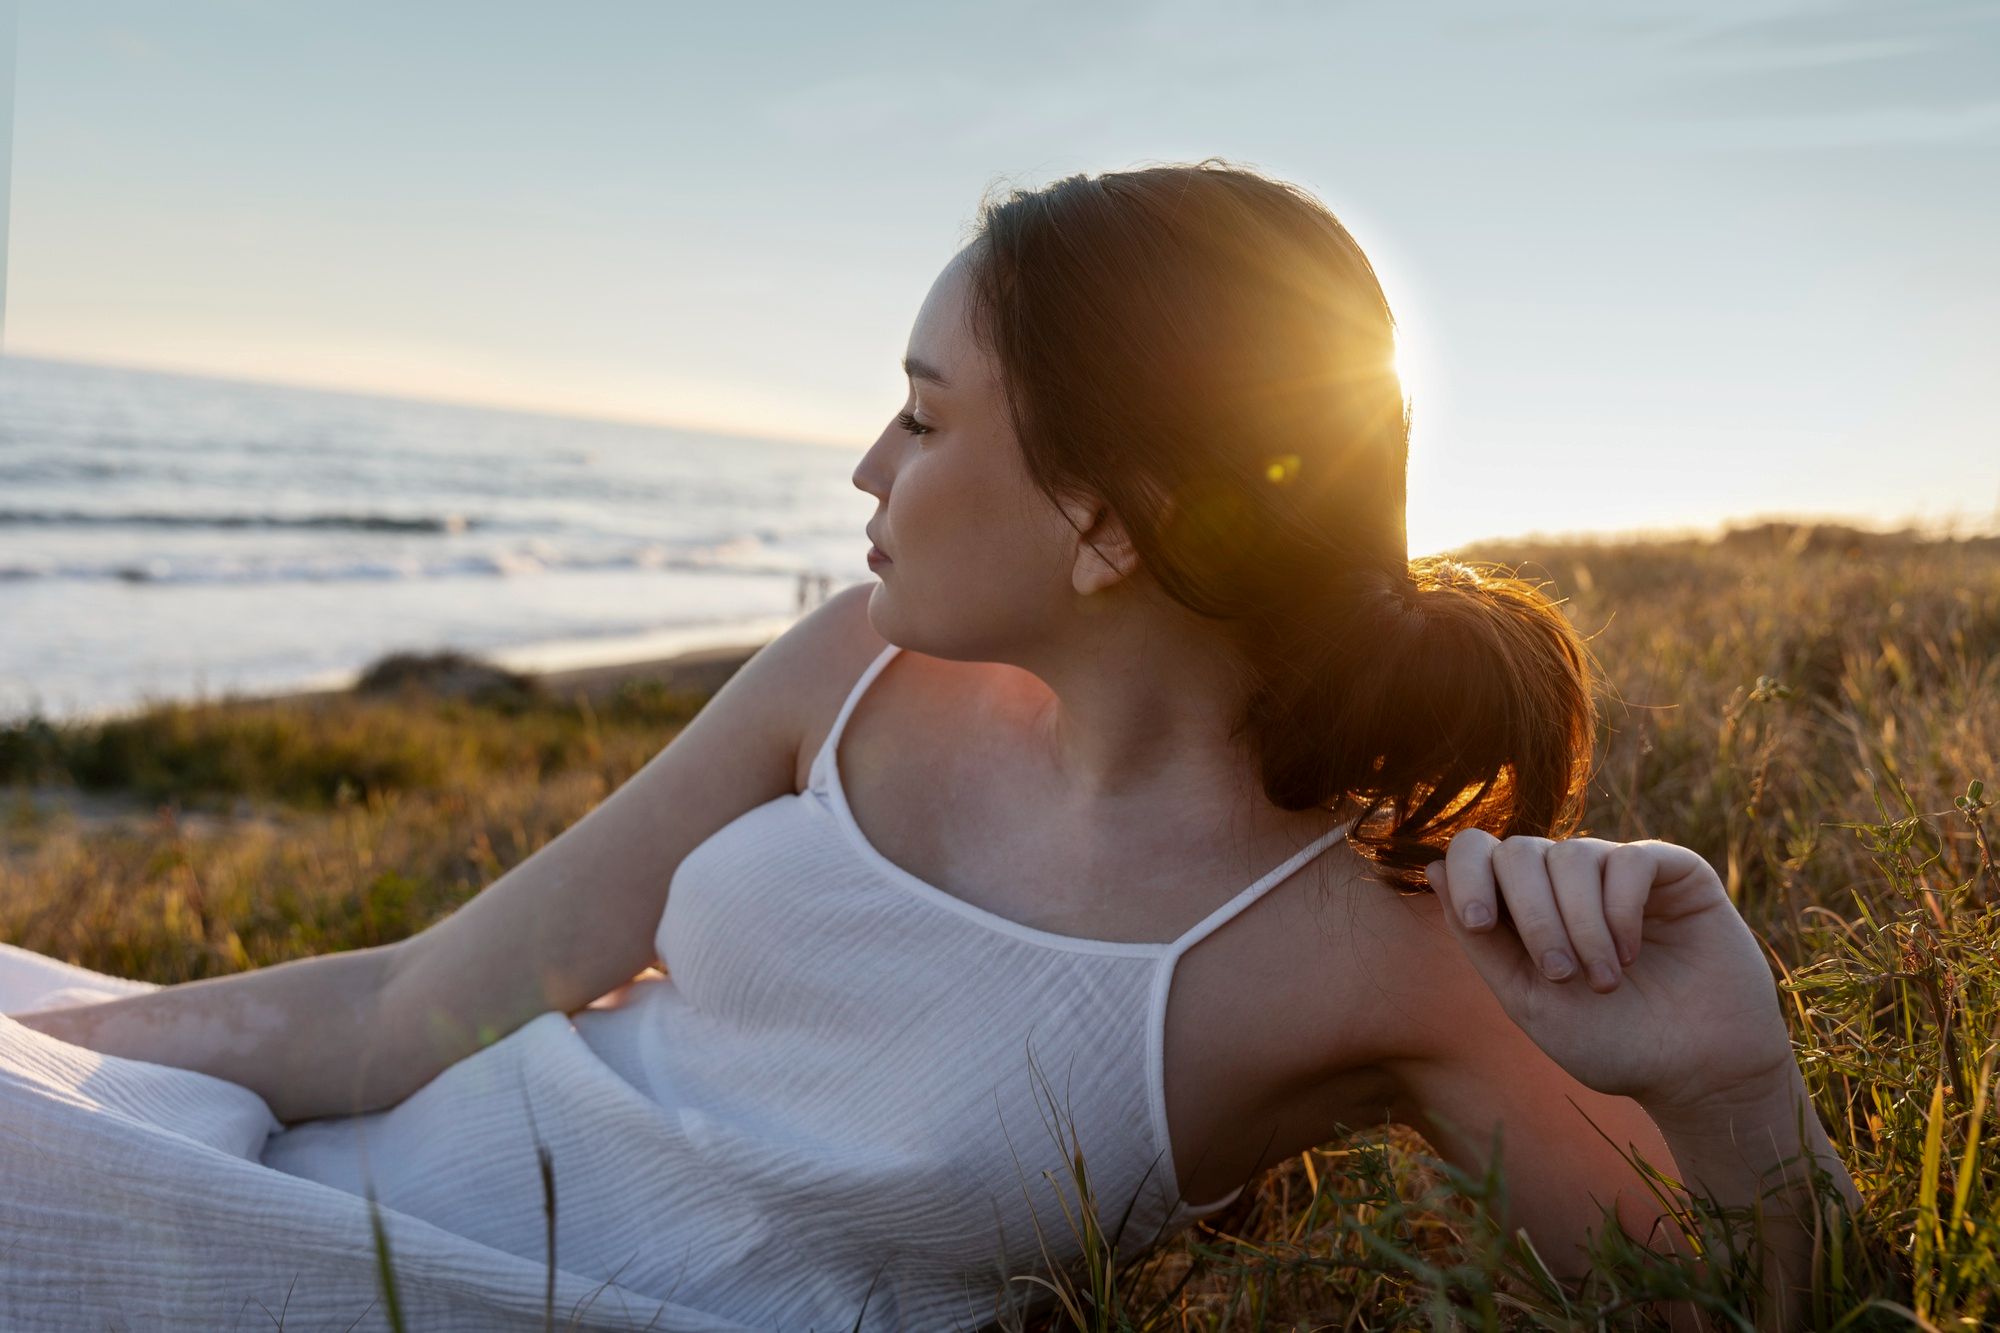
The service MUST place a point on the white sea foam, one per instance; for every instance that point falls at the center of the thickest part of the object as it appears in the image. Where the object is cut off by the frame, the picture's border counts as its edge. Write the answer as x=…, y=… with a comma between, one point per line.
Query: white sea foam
x=166, y=535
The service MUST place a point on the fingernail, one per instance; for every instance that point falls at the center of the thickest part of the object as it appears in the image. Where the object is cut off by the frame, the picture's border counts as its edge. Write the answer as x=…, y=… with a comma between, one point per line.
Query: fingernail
x=1625, y=954
x=1601, y=976
x=1557, y=964
x=1478, y=916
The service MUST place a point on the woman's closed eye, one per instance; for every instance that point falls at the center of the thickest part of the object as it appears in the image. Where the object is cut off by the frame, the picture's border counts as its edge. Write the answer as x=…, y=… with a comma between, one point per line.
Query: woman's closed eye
x=911, y=424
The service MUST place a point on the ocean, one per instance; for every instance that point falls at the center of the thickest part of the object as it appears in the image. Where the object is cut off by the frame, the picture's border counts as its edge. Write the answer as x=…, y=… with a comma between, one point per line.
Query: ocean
x=167, y=536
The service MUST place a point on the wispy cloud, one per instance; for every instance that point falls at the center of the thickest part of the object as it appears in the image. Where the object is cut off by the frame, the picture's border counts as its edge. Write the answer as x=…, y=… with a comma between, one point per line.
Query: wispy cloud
x=1971, y=122
x=1832, y=74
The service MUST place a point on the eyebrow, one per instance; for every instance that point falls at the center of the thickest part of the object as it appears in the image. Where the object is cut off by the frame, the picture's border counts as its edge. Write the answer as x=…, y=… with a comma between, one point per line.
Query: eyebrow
x=923, y=370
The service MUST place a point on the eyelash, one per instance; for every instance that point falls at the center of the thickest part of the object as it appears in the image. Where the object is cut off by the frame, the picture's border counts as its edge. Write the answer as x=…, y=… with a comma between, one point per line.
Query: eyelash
x=912, y=425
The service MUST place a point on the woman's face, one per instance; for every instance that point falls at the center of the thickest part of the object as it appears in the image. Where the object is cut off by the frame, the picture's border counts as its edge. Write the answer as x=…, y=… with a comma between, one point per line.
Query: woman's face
x=979, y=559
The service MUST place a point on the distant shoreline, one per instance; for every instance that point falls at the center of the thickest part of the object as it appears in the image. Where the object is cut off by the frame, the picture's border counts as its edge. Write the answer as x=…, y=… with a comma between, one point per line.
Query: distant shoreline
x=702, y=670
x=693, y=657
x=699, y=670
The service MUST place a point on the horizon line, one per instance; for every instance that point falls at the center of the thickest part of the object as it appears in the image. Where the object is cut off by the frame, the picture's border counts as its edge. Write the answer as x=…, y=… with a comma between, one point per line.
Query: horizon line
x=488, y=405
x=1712, y=529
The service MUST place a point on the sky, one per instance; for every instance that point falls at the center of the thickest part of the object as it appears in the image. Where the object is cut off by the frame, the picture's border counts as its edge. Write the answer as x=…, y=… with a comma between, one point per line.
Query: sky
x=1656, y=266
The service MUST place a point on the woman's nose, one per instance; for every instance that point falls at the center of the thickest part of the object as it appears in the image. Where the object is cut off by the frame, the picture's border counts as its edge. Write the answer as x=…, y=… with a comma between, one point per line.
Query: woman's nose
x=865, y=476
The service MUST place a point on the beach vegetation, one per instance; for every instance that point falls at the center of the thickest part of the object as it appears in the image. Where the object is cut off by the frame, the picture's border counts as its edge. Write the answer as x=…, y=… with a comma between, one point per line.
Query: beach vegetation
x=1815, y=710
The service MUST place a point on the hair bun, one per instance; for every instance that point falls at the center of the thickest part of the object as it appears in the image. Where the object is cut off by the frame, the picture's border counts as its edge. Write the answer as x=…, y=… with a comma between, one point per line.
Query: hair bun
x=1393, y=591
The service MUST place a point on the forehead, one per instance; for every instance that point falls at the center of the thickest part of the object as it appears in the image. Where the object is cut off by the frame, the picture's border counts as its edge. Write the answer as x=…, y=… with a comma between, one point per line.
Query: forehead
x=941, y=339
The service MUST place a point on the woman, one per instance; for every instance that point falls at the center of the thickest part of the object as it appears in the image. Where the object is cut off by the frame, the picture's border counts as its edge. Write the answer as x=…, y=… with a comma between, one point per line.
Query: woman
x=1078, y=831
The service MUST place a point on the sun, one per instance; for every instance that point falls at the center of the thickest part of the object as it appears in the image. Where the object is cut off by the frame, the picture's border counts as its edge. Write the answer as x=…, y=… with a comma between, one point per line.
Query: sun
x=1407, y=362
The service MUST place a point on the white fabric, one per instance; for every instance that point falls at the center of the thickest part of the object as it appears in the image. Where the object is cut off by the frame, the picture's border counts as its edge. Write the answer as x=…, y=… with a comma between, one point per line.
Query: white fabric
x=852, y=1097
x=131, y=1197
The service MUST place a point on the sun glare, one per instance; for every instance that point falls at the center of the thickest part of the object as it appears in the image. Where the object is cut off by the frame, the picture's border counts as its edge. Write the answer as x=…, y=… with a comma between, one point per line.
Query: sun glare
x=1408, y=363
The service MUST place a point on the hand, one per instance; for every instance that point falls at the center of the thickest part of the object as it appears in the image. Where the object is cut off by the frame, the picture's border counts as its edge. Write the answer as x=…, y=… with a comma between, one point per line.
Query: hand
x=1625, y=962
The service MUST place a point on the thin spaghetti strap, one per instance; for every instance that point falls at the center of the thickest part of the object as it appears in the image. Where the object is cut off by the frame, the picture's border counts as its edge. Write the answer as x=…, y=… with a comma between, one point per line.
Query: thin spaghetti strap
x=1278, y=874
x=823, y=761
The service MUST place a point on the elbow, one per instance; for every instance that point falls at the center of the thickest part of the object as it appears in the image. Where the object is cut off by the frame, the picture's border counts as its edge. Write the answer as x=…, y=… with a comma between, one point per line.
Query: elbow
x=392, y=1051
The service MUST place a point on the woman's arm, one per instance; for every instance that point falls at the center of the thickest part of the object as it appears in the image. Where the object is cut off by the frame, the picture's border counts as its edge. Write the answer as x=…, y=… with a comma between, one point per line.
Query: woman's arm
x=306, y=1036
x=1629, y=968
x=1475, y=1084
x=357, y=1031
x=1749, y=1151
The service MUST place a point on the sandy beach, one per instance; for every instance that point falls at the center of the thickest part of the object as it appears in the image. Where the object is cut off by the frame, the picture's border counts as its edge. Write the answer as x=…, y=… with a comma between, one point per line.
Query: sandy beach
x=702, y=671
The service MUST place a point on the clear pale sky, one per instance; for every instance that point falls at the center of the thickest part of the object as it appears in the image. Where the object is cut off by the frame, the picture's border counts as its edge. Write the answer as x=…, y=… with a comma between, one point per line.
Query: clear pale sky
x=1657, y=265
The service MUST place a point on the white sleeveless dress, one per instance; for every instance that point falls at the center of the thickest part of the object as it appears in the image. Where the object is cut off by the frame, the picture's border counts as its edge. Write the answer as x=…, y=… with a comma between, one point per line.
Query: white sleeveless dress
x=852, y=1097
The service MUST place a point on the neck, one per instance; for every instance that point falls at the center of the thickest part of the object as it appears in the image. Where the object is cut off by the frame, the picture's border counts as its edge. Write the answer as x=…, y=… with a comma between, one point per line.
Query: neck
x=1131, y=721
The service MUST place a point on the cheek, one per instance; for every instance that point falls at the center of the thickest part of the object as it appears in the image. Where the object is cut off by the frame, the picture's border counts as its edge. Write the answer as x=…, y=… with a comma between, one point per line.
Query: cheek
x=943, y=542
x=937, y=504
x=963, y=529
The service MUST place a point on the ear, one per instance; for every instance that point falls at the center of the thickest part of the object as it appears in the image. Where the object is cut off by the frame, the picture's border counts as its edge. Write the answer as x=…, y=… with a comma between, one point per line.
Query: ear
x=1105, y=555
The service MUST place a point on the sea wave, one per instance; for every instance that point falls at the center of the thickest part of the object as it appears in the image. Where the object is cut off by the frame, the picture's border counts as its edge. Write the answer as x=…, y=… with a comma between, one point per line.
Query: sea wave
x=743, y=555
x=439, y=523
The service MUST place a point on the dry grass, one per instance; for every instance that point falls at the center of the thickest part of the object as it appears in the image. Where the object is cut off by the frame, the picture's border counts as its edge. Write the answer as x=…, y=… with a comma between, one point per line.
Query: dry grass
x=1813, y=711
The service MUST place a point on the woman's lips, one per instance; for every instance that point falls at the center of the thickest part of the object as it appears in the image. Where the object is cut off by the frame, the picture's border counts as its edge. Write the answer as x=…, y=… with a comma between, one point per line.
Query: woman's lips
x=876, y=557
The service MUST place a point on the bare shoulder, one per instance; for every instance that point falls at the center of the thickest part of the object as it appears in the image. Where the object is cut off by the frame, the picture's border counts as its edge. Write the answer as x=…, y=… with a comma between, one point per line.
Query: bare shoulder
x=823, y=655
x=1401, y=987
x=581, y=914
x=818, y=659
x=1470, y=1080
x=1346, y=971
x=1353, y=982
x=1313, y=1013
x=757, y=727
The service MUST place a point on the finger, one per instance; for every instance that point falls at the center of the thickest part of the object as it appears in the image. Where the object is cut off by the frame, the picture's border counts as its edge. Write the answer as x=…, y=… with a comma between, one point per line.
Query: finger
x=1464, y=874
x=1468, y=865
x=1628, y=883
x=1519, y=866
x=1575, y=868
x=1683, y=881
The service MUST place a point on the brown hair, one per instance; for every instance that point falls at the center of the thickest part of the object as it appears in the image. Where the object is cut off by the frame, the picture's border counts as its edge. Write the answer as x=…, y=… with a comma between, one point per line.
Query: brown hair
x=1208, y=352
